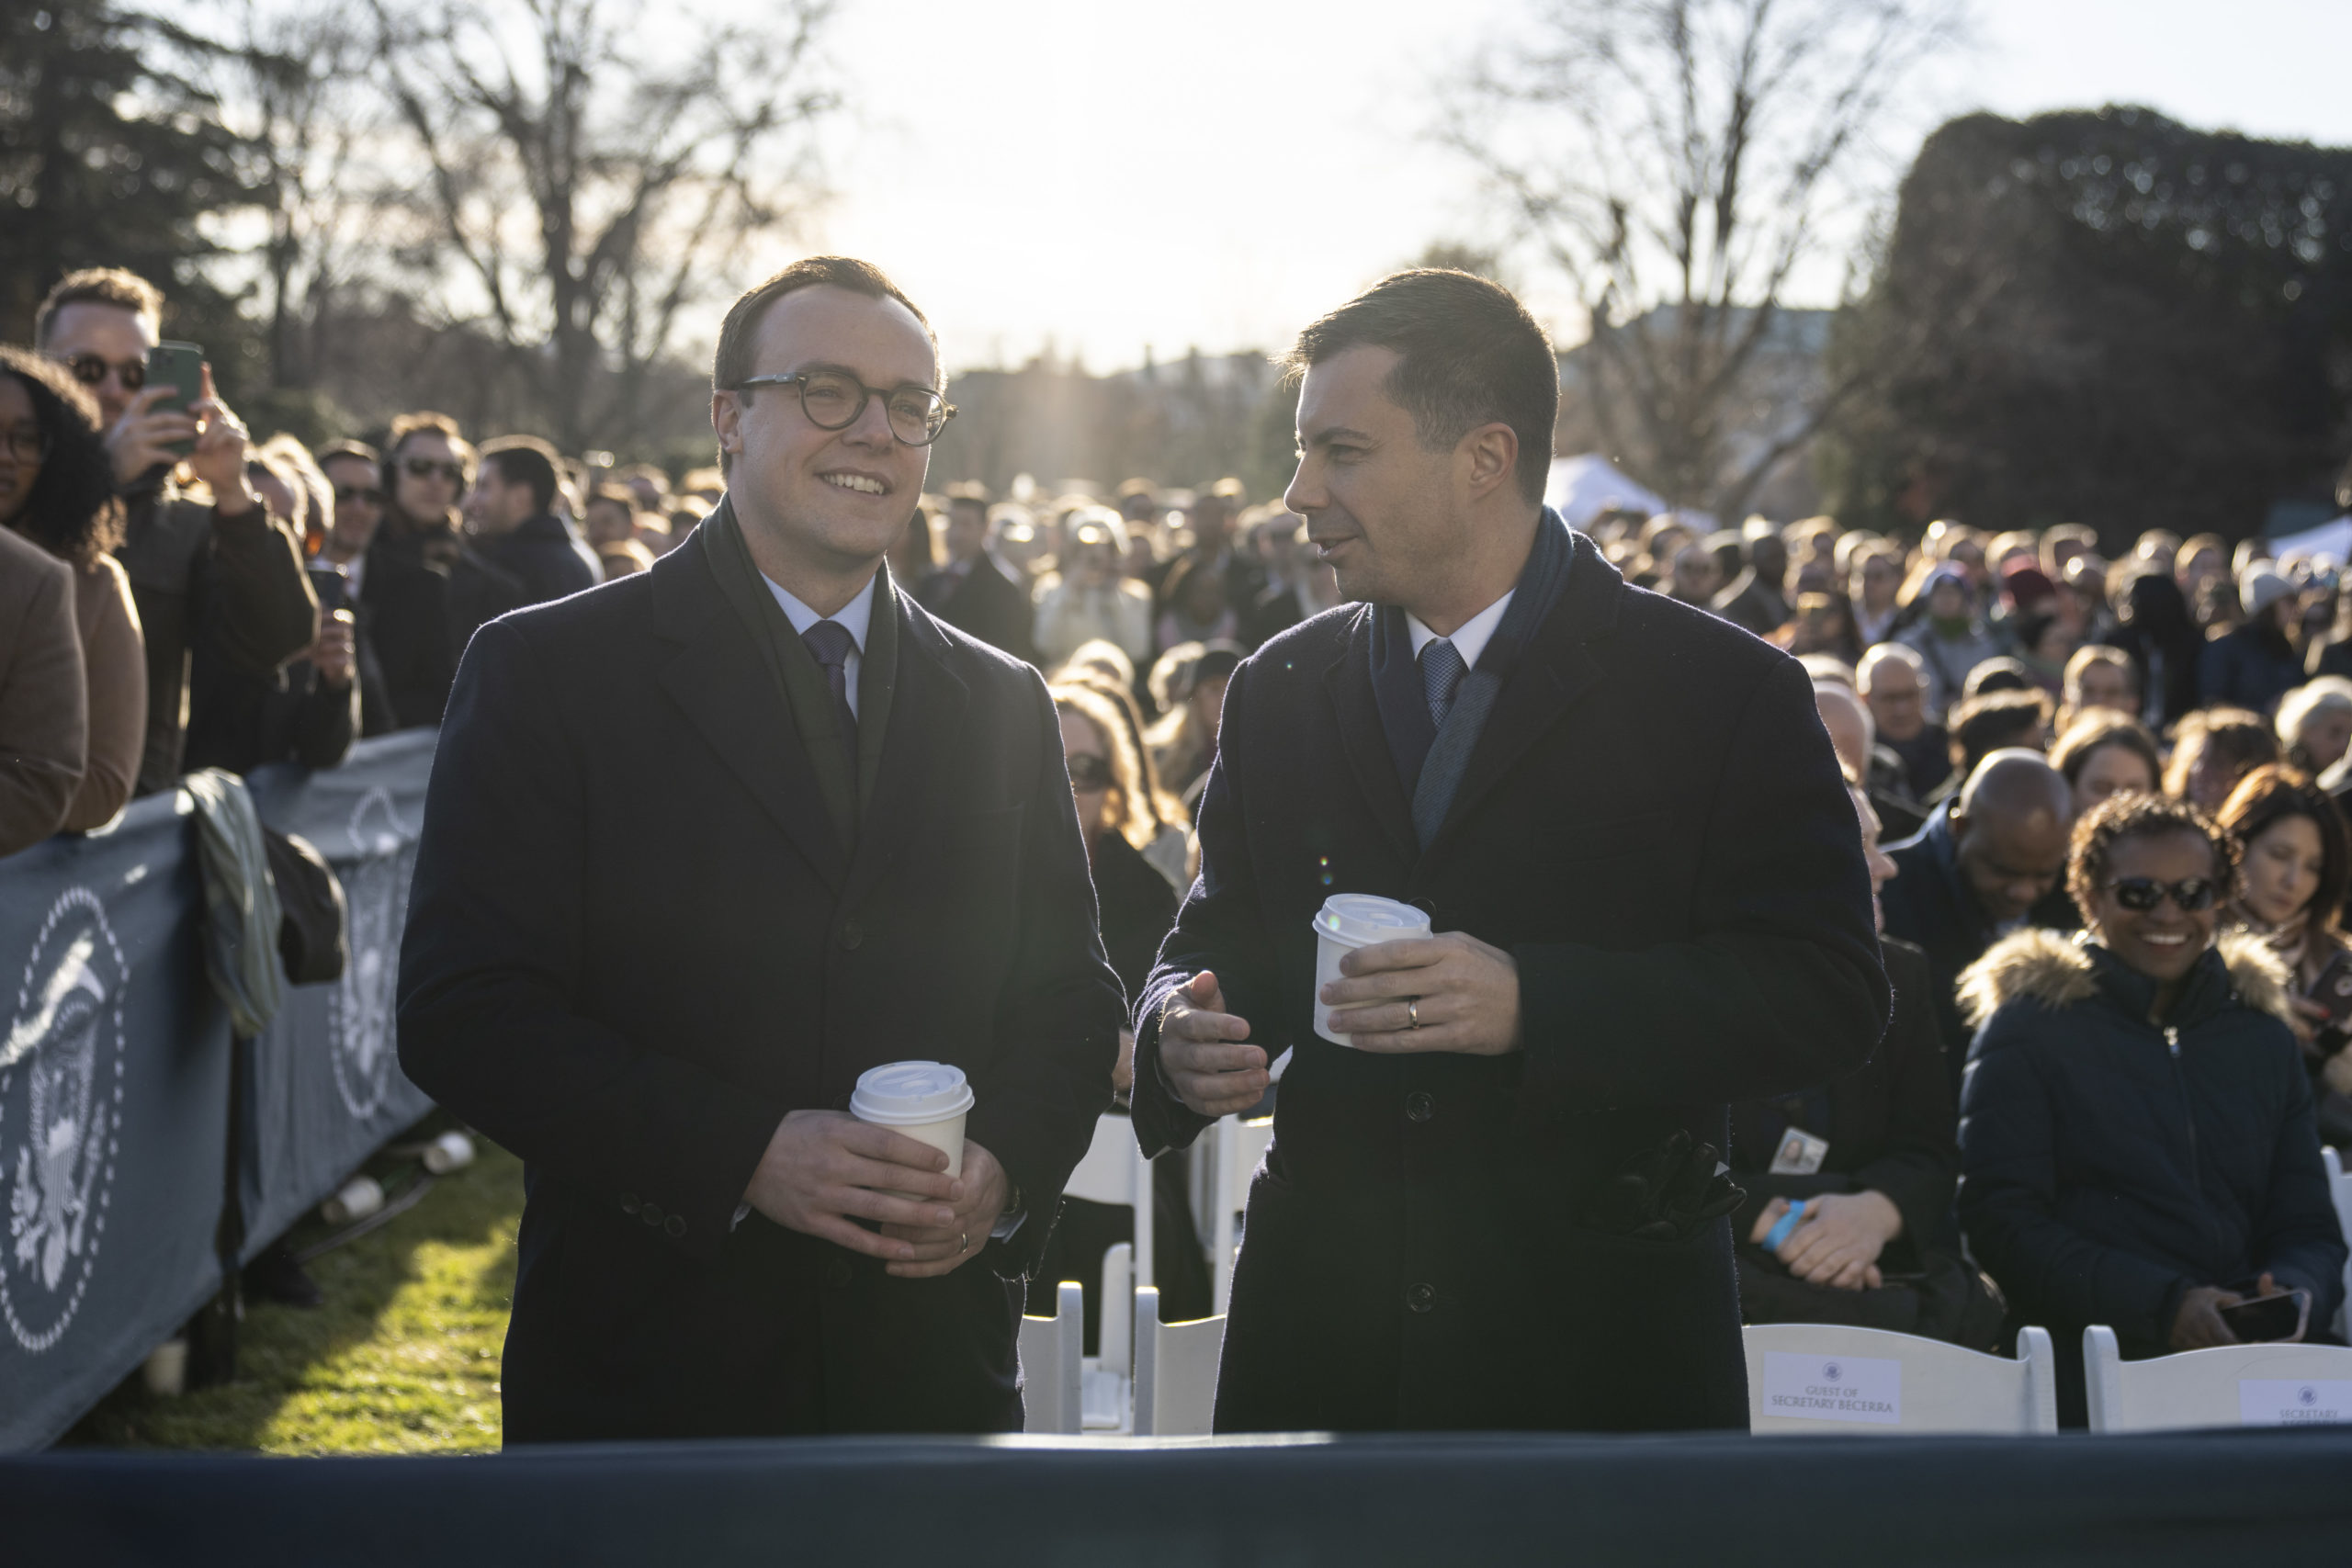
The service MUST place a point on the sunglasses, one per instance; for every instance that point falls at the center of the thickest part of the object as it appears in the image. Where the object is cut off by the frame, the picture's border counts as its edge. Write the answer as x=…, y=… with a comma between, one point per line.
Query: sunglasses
x=2141, y=894
x=90, y=369
x=425, y=469
x=1088, y=772
x=367, y=493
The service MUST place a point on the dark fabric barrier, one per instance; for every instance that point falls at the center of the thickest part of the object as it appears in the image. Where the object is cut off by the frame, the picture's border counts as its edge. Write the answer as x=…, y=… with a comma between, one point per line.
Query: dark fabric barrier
x=2145, y=1501
x=114, y=1113
x=324, y=1086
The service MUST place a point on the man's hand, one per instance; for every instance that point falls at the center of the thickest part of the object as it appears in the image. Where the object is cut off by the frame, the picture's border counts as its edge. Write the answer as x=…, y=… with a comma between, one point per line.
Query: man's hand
x=1464, y=996
x=221, y=447
x=332, y=654
x=941, y=1249
x=1211, y=1074
x=821, y=1168
x=2198, y=1324
x=1838, y=1241
x=143, y=439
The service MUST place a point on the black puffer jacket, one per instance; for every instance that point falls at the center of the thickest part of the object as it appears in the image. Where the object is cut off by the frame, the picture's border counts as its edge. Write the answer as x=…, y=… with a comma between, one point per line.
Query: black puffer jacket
x=2107, y=1165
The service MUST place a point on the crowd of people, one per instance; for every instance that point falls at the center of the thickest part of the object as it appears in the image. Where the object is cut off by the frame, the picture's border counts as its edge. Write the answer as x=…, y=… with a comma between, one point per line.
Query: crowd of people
x=2112, y=905
x=2101, y=796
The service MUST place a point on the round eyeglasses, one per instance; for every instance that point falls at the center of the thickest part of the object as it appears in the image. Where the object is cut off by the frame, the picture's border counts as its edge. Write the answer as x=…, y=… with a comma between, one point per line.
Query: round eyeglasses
x=26, y=444
x=834, y=399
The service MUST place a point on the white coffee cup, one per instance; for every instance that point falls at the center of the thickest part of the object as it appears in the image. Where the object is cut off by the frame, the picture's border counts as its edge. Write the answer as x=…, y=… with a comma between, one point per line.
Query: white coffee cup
x=925, y=1100
x=1349, y=920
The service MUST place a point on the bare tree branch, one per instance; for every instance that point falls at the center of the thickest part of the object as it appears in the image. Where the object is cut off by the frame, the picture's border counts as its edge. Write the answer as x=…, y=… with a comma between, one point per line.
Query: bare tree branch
x=1673, y=160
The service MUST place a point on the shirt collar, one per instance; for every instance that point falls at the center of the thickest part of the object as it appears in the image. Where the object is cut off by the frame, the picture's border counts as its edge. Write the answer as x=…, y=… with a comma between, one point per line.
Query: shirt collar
x=855, y=617
x=1469, y=640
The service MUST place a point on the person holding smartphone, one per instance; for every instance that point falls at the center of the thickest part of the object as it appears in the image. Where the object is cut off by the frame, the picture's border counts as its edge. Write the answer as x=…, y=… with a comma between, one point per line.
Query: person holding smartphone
x=2295, y=868
x=211, y=573
x=2137, y=1145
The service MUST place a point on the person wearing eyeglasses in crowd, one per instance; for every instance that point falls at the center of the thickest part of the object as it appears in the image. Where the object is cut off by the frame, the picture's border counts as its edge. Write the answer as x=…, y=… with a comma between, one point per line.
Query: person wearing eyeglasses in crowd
x=2137, y=1141
x=220, y=573
x=57, y=490
x=353, y=472
x=1136, y=905
x=883, y=864
x=427, y=588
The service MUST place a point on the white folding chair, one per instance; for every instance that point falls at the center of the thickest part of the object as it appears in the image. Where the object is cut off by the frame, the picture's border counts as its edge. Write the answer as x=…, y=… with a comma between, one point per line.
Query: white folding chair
x=1106, y=1380
x=1051, y=1391
x=1237, y=1148
x=2339, y=1187
x=1115, y=1172
x=1827, y=1379
x=2231, y=1385
x=1175, y=1371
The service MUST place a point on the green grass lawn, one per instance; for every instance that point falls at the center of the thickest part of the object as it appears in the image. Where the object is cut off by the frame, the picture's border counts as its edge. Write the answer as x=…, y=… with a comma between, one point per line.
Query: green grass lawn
x=402, y=1359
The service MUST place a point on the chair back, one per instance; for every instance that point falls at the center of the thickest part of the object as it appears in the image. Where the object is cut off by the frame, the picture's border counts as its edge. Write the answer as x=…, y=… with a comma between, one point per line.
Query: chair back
x=1113, y=1172
x=2339, y=1187
x=1050, y=1386
x=2232, y=1385
x=1175, y=1371
x=1236, y=1148
x=1827, y=1379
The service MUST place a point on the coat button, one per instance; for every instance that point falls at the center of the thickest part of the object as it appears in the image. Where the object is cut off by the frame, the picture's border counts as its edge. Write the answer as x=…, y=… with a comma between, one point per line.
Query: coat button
x=650, y=1214
x=629, y=1204
x=1421, y=1298
x=1420, y=1106
x=851, y=934
x=673, y=1227
x=837, y=1272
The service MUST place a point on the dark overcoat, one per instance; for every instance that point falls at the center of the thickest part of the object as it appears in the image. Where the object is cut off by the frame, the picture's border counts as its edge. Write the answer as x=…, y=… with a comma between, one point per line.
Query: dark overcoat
x=1652, y=824
x=636, y=941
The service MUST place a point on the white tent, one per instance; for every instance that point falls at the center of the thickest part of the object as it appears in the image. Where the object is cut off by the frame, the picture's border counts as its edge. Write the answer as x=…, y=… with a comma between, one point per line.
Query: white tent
x=1579, y=487
x=2327, y=539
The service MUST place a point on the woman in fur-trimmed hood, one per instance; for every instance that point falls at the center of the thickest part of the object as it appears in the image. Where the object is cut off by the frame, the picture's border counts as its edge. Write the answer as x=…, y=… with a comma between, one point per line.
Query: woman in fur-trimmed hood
x=2137, y=1144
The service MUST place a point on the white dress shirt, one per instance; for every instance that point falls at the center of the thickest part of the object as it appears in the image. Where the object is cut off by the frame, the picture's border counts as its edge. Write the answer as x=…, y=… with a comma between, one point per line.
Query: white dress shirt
x=855, y=617
x=1469, y=640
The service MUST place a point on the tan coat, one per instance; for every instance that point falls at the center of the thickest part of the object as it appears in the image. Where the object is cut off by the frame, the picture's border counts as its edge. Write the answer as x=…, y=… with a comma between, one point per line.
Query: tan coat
x=114, y=652
x=44, y=705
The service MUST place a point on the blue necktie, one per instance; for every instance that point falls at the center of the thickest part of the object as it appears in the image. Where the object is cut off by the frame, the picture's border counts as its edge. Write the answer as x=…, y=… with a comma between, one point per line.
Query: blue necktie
x=831, y=643
x=1442, y=673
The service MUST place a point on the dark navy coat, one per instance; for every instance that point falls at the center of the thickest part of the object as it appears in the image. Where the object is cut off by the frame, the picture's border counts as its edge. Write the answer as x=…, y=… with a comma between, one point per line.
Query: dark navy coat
x=1652, y=824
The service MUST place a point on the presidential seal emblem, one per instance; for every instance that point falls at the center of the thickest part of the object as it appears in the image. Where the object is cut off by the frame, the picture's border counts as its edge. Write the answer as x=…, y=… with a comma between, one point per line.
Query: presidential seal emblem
x=60, y=1116
x=359, y=1010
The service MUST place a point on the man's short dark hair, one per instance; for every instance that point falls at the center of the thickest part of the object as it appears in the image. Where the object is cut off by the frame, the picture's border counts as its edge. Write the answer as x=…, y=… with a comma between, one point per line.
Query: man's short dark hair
x=1997, y=719
x=1468, y=354
x=524, y=461
x=112, y=286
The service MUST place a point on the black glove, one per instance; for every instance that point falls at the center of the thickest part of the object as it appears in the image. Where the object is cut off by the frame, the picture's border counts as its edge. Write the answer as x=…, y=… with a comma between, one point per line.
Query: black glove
x=1665, y=1193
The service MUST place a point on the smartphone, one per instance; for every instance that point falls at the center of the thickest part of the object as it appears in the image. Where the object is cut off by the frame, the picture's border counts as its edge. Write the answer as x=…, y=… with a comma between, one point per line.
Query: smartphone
x=2333, y=990
x=179, y=366
x=2268, y=1318
x=333, y=587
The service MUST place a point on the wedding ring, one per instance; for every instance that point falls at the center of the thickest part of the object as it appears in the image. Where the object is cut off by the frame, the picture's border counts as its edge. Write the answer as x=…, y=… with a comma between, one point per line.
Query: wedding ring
x=963, y=1242
x=1413, y=1012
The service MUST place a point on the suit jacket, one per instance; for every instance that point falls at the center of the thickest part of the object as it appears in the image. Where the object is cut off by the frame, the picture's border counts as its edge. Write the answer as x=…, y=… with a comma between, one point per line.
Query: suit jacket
x=986, y=603
x=1652, y=824
x=636, y=941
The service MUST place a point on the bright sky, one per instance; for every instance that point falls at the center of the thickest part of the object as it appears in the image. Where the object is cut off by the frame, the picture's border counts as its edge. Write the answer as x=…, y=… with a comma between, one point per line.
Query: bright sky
x=1108, y=177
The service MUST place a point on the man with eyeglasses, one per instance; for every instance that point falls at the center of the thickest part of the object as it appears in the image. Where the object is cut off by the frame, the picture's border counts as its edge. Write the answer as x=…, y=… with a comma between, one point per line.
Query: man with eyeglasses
x=705, y=845
x=222, y=572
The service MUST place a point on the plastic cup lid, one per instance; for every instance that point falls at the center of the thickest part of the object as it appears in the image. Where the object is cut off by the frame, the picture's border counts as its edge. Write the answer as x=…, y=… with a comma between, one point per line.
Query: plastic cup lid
x=910, y=1092
x=1367, y=917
